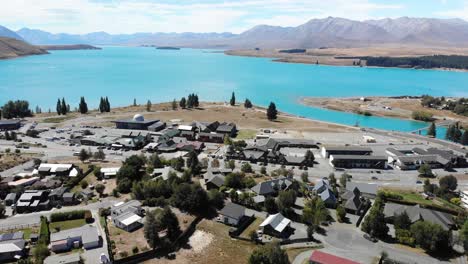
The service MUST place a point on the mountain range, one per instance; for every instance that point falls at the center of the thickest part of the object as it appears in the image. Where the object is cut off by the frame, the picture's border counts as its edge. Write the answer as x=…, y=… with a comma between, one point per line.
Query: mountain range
x=326, y=32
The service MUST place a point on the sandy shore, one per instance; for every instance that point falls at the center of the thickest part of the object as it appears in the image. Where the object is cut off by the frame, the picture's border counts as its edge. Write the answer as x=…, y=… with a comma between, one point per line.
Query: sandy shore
x=329, y=56
x=381, y=106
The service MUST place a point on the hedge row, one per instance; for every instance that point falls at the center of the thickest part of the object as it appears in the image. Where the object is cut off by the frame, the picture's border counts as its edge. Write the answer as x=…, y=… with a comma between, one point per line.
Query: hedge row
x=72, y=215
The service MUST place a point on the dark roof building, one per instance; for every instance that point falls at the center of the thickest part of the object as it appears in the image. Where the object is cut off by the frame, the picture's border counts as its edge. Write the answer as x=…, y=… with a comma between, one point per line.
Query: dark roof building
x=227, y=129
x=232, y=213
x=6, y=125
x=358, y=161
x=211, y=137
x=138, y=122
x=327, y=151
x=272, y=186
x=416, y=213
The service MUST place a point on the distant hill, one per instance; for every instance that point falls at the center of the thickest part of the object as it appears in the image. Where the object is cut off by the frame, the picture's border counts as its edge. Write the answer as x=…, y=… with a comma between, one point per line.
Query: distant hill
x=69, y=47
x=12, y=48
x=327, y=32
x=7, y=33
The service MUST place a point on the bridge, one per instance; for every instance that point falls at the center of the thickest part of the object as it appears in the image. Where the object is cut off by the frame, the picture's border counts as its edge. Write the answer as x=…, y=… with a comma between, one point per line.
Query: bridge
x=445, y=123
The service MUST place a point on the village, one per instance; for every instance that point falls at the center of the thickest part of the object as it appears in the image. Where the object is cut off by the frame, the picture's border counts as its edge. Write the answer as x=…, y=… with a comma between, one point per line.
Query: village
x=155, y=190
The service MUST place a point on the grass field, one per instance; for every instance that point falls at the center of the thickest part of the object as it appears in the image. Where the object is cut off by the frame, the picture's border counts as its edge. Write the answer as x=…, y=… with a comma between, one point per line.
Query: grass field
x=246, y=134
x=64, y=225
x=414, y=197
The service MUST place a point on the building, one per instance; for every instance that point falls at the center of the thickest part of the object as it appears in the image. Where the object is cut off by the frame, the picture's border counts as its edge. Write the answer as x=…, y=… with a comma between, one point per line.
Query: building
x=33, y=201
x=228, y=129
x=368, y=190
x=358, y=161
x=213, y=180
x=417, y=213
x=138, y=122
x=189, y=135
x=12, y=246
x=69, y=198
x=86, y=236
x=353, y=201
x=205, y=127
x=272, y=187
x=23, y=182
x=6, y=125
x=211, y=137
x=108, y=173
x=327, y=151
x=10, y=199
x=127, y=216
x=48, y=169
x=56, y=196
x=132, y=141
x=276, y=225
x=232, y=214
x=63, y=259
x=328, y=197
x=319, y=257
x=158, y=126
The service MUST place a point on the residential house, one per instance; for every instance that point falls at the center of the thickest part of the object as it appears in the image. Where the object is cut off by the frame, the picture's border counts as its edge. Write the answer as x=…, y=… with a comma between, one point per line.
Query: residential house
x=23, y=182
x=48, y=169
x=12, y=246
x=108, y=173
x=328, y=197
x=86, y=236
x=69, y=198
x=10, y=199
x=189, y=135
x=127, y=216
x=353, y=201
x=158, y=126
x=272, y=187
x=56, y=196
x=232, y=214
x=228, y=129
x=320, y=257
x=417, y=213
x=213, y=180
x=205, y=127
x=87, y=194
x=32, y=201
x=211, y=137
x=276, y=225
x=368, y=190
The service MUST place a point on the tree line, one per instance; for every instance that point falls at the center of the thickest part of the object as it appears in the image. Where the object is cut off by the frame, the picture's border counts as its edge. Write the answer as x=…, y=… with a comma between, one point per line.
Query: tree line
x=426, y=62
x=15, y=109
x=459, y=106
x=190, y=102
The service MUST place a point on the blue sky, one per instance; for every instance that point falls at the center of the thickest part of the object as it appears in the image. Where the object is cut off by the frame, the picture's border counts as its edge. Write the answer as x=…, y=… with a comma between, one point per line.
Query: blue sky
x=129, y=16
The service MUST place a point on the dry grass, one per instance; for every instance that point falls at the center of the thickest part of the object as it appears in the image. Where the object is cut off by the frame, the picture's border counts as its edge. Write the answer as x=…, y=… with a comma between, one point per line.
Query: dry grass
x=10, y=160
x=125, y=241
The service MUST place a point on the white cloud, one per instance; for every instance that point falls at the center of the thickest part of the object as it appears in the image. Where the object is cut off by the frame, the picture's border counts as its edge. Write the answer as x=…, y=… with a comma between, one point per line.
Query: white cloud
x=128, y=16
x=456, y=13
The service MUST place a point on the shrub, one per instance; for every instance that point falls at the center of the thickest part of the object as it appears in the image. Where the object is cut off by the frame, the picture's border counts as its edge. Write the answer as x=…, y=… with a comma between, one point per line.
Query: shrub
x=72, y=215
x=423, y=116
x=135, y=250
x=404, y=237
x=123, y=254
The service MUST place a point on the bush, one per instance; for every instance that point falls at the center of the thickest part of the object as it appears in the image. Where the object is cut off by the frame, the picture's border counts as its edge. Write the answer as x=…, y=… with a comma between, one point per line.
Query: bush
x=135, y=250
x=104, y=212
x=84, y=184
x=423, y=116
x=72, y=215
x=123, y=254
x=404, y=237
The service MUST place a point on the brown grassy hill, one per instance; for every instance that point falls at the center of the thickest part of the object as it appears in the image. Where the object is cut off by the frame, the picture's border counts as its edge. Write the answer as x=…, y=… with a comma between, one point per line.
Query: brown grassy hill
x=12, y=48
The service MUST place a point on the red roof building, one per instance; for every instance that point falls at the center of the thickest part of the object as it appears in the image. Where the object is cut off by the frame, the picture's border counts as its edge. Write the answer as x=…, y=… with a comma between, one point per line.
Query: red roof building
x=319, y=257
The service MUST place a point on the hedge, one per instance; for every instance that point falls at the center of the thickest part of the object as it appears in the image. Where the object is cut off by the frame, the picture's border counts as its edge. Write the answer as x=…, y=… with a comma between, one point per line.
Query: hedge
x=72, y=215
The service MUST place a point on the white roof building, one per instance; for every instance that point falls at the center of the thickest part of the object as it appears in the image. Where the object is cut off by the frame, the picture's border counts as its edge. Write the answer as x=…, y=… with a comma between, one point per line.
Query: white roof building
x=277, y=221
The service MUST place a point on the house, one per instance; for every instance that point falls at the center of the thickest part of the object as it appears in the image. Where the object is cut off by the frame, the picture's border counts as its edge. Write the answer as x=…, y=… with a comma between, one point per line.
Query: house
x=69, y=198
x=86, y=236
x=108, y=173
x=205, y=127
x=232, y=214
x=319, y=257
x=213, y=180
x=189, y=135
x=368, y=190
x=132, y=141
x=158, y=126
x=328, y=197
x=276, y=225
x=63, y=259
x=56, y=195
x=211, y=137
x=191, y=146
x=10, y=199
x=32, y=201
x=138, y=122
x=272, y=187
x=6, y=125
x=48, y=169
x=228, y=129
x=358, y=161
x=417, y=213
x=87, y=193
x=163, y=172
x=12, y=246
x=353, y=201
x=127, y=216
x=321, y=186
x=327, y=151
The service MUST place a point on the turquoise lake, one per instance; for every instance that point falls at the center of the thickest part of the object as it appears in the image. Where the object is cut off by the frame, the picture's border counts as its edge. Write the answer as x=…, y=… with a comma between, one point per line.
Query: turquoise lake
x=124, y=73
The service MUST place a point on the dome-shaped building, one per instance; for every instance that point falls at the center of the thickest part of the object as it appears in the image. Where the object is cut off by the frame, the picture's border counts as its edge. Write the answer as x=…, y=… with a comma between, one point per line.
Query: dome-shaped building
x=138, y=118
x=138, y=122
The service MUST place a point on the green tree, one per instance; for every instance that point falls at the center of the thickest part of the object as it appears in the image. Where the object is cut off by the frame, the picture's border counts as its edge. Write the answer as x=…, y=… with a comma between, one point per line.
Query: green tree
x=83, y=184
x=64, y=107
x=448, y=183
x=232, y=102
x=84, y=155
x=270, y=205
x=234, y=180
x=246, y=168
x=425, y=171
x=340, y=214
x=269, y=254
x=315, y=212
x=305, y=177
x=183, y=103
x=148, y=106
x=285, y=201
x=272, y=113
x=59, y=107
x=100, y=189
x=108, y=107
x=432, y=131
x=134, y=102
x=156, y=161
x=174, y=105
x=168, y=221
x=344, y=179
x=83, y=106
x=40, y=252
x=99, y=155
x=2, y=210
x=247, y=103
x=374, y=223
x=402, y=221
x=309, y=158
x=216, y=198
x=193, y=163
x=310, y=232
x=151, y=231
x=429, y=236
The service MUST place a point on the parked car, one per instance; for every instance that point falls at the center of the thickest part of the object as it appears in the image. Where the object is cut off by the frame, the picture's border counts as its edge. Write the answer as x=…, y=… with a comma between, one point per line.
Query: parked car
x=374, y=178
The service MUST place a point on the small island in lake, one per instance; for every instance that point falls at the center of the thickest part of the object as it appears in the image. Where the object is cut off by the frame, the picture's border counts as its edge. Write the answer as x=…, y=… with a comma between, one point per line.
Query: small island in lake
x=167, y=48
x=69, y=47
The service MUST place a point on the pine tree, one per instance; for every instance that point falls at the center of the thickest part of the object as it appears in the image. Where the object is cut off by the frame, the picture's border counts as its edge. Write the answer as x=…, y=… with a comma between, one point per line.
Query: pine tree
x=183, y=103
x=101, y=105
x=431, y=131
x=83, y=106
x=148, y=106
x=108, y=108
x=449, y=135
x=233, y=99
x=64, y=107
x=196, y=103
x=457, y=135
x=174, y=105
x=190, y=101
x=59, y=107
x=134, y=102
x=272, y=113
x=247, y=103
x=464, y=139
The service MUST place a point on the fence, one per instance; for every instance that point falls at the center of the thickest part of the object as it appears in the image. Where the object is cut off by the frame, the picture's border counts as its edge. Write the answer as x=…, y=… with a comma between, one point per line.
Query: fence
x=19, y=226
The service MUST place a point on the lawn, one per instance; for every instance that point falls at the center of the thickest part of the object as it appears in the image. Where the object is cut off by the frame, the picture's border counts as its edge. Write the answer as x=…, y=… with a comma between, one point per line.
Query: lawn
x=27, y=231
x=246, y=134
x=252, y=227
x=414, y=197
x=64, y=225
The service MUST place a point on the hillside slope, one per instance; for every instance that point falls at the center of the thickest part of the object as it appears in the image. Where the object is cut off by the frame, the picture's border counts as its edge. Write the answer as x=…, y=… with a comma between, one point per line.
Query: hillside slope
x=12, y=48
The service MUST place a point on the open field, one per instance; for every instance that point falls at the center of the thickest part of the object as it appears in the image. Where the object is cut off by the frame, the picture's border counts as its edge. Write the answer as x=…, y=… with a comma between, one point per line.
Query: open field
x=382, y=106
x=250, y=120
x=327, y=56
x=8, y=161
x=211, y=244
